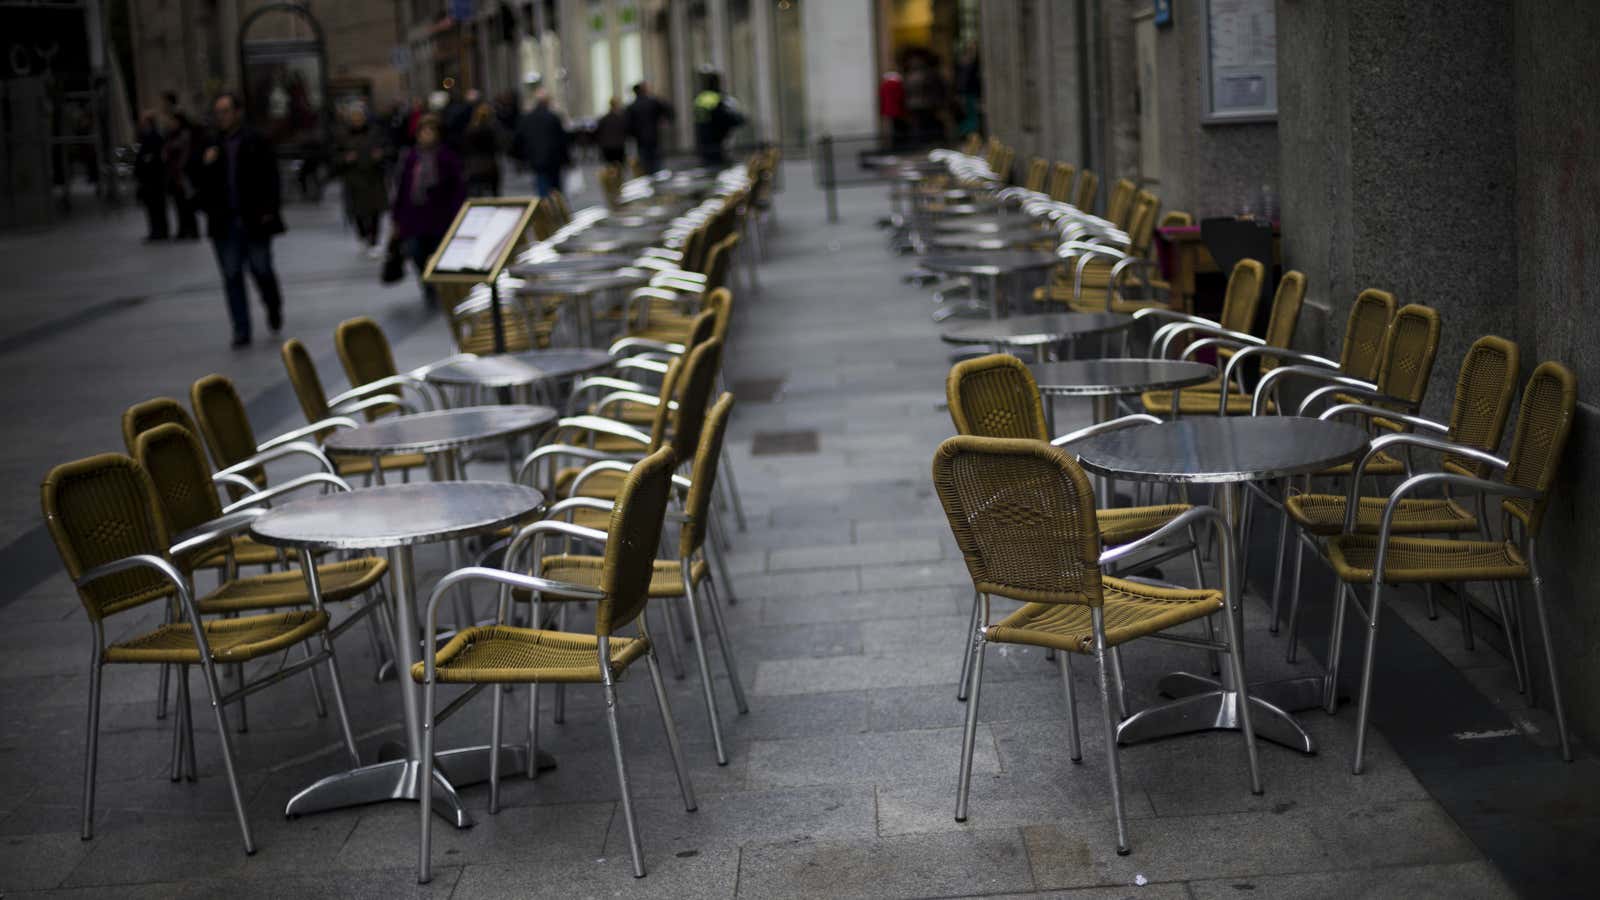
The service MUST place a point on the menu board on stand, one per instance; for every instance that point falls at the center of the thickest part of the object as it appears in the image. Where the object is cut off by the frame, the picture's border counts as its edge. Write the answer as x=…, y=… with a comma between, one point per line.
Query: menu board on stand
x=485, y=234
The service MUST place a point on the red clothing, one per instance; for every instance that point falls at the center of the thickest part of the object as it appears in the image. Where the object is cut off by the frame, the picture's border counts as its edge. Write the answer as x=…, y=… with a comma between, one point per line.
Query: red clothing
x=891, y=97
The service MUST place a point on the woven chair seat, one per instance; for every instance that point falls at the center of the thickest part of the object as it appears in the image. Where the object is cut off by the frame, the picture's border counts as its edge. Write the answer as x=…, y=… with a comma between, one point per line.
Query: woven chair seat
x=1382, y=464
x=246, y=552
x=1132, y=610
x=362, y=465
x=499, y=654
x=666, y=332
x=1198, y=401
x=231, y=640
x=601, y=485
x=1129, y=523
x=666, y=579
x=339, y=580
x=1420, y=559
x=1323, y=514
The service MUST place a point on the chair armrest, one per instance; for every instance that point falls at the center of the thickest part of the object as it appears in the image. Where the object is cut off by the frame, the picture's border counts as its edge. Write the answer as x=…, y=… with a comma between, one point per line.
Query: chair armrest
x=629, y=343
x=305, y=431
x=1316, y=396
x=288, y=487
x=535, y=532
x=1438, y=445
x=293, y=448
x=238, y=481
x=556, y=451
x=403, y=382
x=162, y=566
x=1268, y=384
x=602, y=425
x=1182, y=522
x=594, y=468
x=1116, y=424
x=1412, y=485
x=356, y=404
x=640, y=362
x=499, y=576
x=1362, y=409
x=621, y=397
x=230, y=523
x=599, y=383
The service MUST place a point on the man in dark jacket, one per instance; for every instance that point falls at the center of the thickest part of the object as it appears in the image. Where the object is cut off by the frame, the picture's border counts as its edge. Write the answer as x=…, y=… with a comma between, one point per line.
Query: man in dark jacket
x=645, y=116
x=541, y=143
x=714, y=117
x=239, y=191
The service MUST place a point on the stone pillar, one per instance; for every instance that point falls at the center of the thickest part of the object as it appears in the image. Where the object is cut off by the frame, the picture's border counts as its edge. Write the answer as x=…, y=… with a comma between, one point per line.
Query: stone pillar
x=717, y=24
x=682, y=86
x=761, y=28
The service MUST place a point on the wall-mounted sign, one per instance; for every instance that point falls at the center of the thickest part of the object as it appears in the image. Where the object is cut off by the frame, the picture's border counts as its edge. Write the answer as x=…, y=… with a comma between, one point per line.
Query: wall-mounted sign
x=1163, y=12
x=1241, y=61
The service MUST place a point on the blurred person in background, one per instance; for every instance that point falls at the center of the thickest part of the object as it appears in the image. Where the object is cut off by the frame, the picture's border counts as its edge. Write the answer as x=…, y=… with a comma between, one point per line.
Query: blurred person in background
x=179, y=152
x=483, y=144
x=150, y=174
x=360, y=162
x=241, y=195
x=646, y=114
x=611, y=134
x=428, y=191
x=543, y=144
x=715, y=115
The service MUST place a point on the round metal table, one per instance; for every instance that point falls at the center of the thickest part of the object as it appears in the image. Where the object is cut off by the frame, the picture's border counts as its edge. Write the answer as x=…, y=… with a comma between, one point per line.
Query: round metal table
x=990, y=240
x=989, y=268
x=581, y=289
x=990, y=224
x=1104, y=380
x=562, y=266
x=608, y=242
x=1041, y=332
x=520, y=372
x=395, y=519
x=439, y=432
x=1225, y=452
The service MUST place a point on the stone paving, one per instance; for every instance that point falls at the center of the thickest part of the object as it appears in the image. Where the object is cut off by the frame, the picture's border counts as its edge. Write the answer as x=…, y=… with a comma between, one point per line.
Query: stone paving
x=851, y=608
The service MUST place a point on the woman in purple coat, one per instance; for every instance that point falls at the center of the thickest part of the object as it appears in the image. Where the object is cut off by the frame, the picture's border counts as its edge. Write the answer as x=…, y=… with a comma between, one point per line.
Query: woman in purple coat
x=429, y=191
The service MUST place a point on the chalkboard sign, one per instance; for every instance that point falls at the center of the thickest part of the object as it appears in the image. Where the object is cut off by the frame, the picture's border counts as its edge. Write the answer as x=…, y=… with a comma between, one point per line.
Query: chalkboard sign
x=1241, y=61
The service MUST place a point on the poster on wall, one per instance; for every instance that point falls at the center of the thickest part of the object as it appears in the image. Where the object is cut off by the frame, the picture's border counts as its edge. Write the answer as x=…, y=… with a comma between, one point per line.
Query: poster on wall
x=1241, y=58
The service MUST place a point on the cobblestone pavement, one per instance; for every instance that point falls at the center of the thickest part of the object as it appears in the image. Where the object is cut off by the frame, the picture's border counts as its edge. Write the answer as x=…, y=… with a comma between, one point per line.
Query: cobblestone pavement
x=851, y=608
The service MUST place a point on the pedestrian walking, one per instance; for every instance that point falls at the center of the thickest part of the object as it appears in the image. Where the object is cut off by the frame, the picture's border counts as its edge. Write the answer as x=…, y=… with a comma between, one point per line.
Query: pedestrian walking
x=646, y=114
x=360, y=164
x=241, y=195
x=714, y=116
x=428, y=192
x=611, y=134
x=179, y=152
x=150, y=173
x=542, y=143
x=484, y=142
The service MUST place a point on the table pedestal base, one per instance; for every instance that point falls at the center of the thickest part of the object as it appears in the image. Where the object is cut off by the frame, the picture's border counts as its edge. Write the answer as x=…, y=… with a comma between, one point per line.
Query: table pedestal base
x=1205, y=703
x=396, y=778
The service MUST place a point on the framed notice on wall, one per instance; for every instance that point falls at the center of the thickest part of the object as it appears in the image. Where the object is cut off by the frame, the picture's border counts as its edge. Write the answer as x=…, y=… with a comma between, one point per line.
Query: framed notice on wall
x=1241, y=61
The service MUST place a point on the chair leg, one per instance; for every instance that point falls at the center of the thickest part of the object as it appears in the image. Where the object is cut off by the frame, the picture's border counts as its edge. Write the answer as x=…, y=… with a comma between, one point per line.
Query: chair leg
x=1519, y=666
x=1236, y=663
x=969, y=736
x=1368, y=661
x=679, y=764
x=186, y=717
x=725, y=469
x=215, y=691
x=719, y=556
x=1277, y=572
x=533, y=729
x=706, y=685
x=496, y=721
x=622, y=774
x=91, y=747
x=1064, y=661
x=1549, y=654
x=1122, y=686
x=714, y=605
x=244, y=715
x=161, y=691
x=316, y=688
x=339, y=706
x=177, y=740
x=1465, y=606
x=558, y=708
x=1200, y=582
x=1292, y=651
x=425, y=787
x=966, y=657
x=1111, y=732
x=1330, y=694
x=673, y=639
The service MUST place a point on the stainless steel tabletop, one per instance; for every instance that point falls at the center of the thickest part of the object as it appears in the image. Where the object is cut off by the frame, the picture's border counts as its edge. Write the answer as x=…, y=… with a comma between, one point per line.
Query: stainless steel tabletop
x=1116, y=377
x=990, y=224
x=1220, y=450
x=1001, y=262
x=586, y=283
x=1028, y=331
x=616, y=242
x=397, y=515
x=991, y=240
x=561, y=266
x=518, y=369
x=444, y=429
